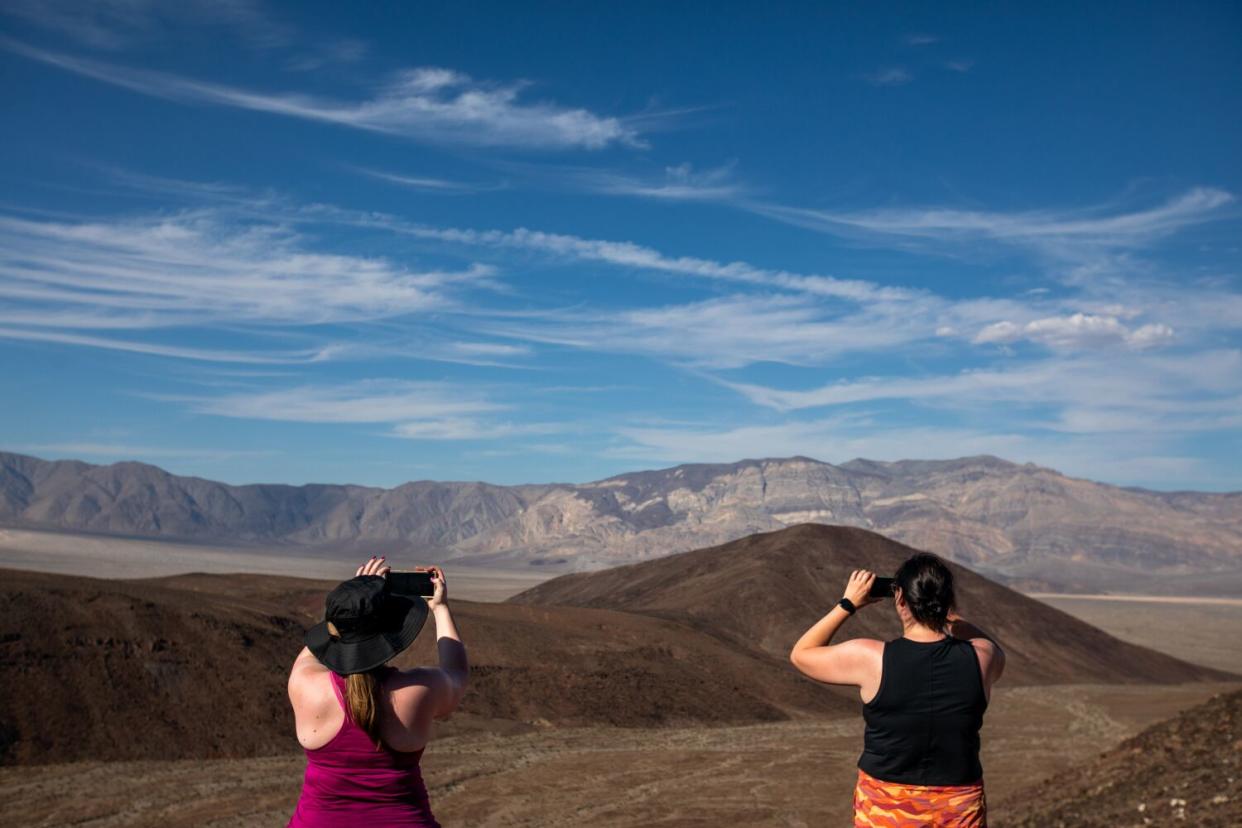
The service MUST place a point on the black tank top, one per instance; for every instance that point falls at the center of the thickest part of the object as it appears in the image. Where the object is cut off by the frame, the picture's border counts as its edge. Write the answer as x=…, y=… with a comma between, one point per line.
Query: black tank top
x=923, y=724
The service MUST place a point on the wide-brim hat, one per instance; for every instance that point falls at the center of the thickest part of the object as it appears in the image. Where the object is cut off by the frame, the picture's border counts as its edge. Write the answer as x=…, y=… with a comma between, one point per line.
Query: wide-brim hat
x=365, y=625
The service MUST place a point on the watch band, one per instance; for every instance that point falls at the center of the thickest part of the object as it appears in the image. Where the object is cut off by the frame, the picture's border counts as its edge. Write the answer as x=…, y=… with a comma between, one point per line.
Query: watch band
x=847, y=605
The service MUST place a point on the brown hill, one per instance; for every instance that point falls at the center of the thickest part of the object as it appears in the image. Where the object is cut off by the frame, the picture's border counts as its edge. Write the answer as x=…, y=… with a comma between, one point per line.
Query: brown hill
x=1184, y=771
x=1021, y=523
x=763, y=591
x=195, y=666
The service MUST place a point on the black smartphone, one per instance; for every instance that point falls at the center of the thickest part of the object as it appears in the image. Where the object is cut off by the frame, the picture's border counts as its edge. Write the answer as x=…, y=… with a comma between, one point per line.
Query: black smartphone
x=880, y=587
x=410, y=583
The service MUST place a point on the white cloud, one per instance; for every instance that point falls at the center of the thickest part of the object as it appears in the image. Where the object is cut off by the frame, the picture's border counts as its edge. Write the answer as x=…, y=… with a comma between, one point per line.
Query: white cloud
x=115, y=24
x=174, y=351
x=421, y=182
x=726, y=332
x=890, y=76
x=372, y=401
x=200, y=267
x=631, y=255
x=430, y=104
x=920, y=39
x=471, y=429
x=490, y=349
x=1053, y=231
x=1080, y=330
x=1200, y=391
x=679, y=183
x=414, y=410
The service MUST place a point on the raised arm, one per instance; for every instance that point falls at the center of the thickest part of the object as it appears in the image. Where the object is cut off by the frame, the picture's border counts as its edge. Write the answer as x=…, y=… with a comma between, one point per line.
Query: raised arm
x=453, y=663
x=853, y=662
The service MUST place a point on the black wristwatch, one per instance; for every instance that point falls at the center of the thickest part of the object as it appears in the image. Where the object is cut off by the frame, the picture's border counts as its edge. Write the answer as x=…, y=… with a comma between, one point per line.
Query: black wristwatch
x=847, y=605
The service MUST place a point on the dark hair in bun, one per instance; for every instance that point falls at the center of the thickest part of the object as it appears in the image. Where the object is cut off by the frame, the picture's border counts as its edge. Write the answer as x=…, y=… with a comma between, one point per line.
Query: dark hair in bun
x=927, y=587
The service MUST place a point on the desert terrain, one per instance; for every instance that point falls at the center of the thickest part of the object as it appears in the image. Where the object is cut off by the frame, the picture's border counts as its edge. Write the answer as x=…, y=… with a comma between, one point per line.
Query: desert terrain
x=619, y=698
x=105, y=556
x=781, y=774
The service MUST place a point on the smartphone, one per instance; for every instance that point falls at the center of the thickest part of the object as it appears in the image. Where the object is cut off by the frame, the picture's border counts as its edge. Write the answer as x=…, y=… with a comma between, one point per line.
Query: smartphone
x=410, y=583
x=880, y=587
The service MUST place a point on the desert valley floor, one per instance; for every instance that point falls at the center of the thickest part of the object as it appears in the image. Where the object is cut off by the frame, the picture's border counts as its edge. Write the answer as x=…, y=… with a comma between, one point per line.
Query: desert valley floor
x=784, y=774
x=490, y=771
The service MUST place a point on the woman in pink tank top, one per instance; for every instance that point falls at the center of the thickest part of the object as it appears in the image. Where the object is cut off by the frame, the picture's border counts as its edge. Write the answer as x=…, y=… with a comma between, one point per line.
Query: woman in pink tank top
x=363, y=724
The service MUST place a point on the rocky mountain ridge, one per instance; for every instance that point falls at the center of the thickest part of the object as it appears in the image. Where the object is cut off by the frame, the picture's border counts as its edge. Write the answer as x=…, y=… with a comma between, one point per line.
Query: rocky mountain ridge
x=1023, y=523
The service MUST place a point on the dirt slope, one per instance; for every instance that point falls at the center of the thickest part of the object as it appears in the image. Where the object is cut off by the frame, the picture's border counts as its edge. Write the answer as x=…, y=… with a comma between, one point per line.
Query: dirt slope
x=1184, y=771
x=195, y=666
x=763, y=591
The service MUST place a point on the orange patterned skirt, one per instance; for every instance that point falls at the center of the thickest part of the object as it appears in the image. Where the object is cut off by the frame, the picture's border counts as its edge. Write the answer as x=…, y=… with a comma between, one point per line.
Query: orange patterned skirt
x=879, y=804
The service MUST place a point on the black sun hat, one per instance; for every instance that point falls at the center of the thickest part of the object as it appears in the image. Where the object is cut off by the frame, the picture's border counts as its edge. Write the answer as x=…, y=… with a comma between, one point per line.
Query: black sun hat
x=365, y=625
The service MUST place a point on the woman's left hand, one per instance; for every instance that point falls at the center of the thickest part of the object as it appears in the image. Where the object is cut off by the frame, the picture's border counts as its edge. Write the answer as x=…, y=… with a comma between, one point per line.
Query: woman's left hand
x=375, y=566
x=858, y=587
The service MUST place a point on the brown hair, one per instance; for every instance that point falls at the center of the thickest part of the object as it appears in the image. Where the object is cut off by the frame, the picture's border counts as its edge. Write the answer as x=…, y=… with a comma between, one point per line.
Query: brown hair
x=362, y=698
x=927, y=585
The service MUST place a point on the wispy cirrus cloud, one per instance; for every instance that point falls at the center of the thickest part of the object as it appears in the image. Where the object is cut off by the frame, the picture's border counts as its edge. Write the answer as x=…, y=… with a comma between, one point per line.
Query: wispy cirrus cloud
x=413, y=410
x=116, y=24
x=413, y=182
x=632, y=255
x=201, y=266
x=889, y=76
x=726, y=332
x=266, y=357
x=1087, y=394
x=678, y=183
x=1093, y=229
x=431, y=104
x=83, y=282
x=371, y=401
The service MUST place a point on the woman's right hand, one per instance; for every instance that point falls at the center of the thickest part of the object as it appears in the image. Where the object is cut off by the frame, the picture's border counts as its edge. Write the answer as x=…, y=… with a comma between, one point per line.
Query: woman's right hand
x=858, y=587
x=374, y=566
x=439, y=598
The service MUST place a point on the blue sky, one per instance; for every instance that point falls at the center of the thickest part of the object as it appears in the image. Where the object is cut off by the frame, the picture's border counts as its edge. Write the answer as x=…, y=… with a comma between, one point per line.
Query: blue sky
x=372, y=243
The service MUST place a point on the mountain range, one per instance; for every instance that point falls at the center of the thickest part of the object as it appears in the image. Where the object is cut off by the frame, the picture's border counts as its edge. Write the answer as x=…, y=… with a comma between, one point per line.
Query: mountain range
x=1021, y=523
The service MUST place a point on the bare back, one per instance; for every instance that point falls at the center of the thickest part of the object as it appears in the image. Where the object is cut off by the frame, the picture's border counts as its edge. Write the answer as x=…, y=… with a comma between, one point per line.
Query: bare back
x=409, y=701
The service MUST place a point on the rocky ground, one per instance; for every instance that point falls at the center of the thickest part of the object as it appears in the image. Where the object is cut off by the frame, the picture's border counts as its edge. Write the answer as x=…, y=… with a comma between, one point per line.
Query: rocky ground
x=1186, y=770
x=780, y=774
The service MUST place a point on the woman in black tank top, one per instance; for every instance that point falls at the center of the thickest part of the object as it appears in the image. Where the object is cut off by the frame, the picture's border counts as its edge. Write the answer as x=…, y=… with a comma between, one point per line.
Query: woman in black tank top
x=924, y=695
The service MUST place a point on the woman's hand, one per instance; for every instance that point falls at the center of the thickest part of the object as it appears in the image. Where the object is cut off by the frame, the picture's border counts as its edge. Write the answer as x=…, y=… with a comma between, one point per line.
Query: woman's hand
x=440, y=597
x=375, y=566
x=858, y=587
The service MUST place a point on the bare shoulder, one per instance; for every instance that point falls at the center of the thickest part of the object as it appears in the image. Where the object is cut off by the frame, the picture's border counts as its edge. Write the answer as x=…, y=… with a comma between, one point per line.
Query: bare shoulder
x=871, y=645
x=865, y=648
x=306, y=670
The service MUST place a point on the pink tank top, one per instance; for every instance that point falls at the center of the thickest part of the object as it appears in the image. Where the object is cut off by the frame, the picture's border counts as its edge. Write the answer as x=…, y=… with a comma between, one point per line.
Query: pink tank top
x=348, y=782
